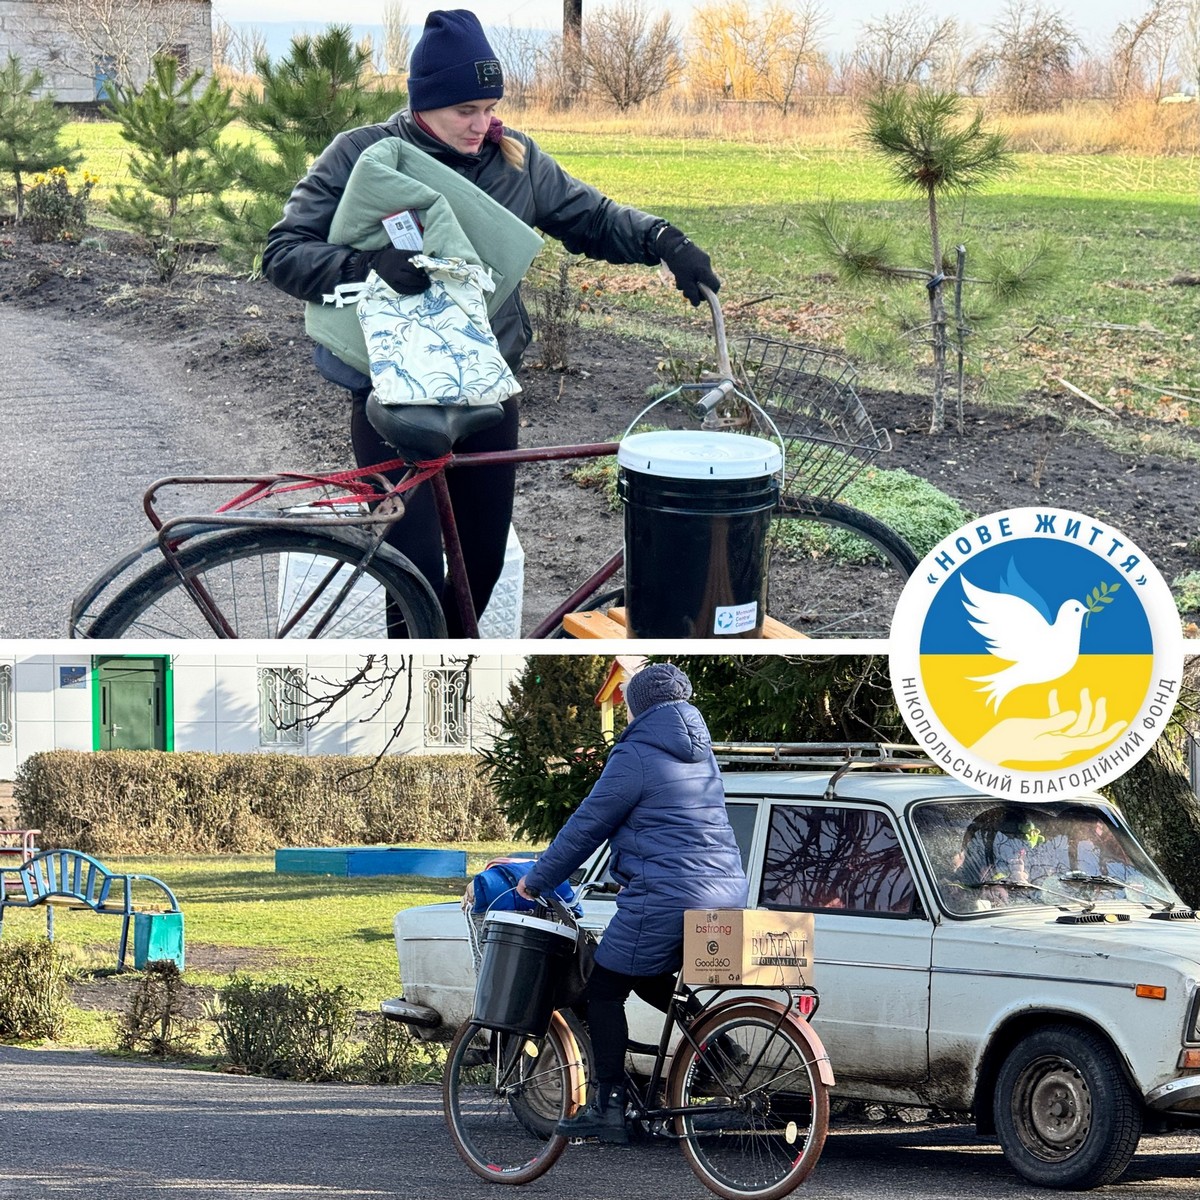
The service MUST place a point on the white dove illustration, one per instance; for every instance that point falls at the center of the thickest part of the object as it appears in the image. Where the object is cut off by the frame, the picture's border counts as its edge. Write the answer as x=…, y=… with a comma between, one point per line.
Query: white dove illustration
x=1016, y=631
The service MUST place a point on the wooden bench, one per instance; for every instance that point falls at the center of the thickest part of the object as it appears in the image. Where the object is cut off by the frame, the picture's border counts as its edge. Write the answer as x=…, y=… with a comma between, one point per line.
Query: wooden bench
x=612, y=625
x=72, y=879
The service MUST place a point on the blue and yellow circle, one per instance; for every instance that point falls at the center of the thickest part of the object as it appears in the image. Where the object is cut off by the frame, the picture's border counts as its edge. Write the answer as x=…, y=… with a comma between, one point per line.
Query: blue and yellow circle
x=1036, y=645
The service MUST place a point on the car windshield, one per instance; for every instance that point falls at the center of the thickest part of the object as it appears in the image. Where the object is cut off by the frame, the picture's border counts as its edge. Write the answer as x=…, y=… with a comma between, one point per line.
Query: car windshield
x=991, y=854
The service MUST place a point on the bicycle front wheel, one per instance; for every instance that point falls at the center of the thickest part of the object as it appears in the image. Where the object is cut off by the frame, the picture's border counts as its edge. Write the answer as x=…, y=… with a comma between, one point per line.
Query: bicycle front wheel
x=758, y=1107
x=275, y=583
x=503, y=1095
x=834, y=571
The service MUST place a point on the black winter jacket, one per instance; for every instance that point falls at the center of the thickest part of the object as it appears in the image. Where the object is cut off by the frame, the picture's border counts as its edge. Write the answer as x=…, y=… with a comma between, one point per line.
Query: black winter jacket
x=299, y=260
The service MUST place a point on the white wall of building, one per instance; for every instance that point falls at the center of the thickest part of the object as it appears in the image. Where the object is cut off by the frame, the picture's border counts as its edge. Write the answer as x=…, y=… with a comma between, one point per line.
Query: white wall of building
x=32, y=31
x=215, y=700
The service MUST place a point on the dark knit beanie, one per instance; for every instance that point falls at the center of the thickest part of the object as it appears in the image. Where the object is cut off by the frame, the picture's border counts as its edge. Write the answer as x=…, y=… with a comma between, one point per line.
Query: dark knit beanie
x=452, y=63
x=655, y=684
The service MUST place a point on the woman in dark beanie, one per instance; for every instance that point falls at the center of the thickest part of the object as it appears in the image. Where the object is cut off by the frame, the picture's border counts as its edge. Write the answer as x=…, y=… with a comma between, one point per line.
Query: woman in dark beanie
x=660, y=804
x=454, y=83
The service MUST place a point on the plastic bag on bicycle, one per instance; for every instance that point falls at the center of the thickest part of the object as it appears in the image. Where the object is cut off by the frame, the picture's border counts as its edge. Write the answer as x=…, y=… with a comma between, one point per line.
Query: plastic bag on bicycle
x=436, y=347
x=494, y=890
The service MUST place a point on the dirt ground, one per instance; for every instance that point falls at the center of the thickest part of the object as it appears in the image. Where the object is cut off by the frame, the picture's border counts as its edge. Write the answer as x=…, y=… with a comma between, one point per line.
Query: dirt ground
x=247, y=340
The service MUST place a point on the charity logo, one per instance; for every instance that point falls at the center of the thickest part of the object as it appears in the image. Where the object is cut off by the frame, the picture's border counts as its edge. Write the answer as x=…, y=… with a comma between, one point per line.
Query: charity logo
x=1036, y=651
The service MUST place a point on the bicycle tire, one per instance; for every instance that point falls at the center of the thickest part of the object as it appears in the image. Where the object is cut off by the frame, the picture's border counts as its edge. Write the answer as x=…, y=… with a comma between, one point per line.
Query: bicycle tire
x=489, y=1093
x=844, y=586
x=760, y=1074
x=259, y=579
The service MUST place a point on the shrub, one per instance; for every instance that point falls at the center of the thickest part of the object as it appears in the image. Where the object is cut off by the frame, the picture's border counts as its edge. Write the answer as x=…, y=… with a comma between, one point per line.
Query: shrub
x=391, y=1055
x=155, y=1022
x=557, y=310
x=286, y=1030
x=33, y=990
x=148, y=802
x=54, y=213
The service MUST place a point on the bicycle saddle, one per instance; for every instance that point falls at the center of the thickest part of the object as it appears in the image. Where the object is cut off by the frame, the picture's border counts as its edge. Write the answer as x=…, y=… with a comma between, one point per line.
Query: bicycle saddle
x=419, y=432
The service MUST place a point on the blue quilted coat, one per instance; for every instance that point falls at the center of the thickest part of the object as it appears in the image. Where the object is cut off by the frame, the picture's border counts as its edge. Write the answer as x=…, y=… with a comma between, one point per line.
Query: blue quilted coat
x=661, y=805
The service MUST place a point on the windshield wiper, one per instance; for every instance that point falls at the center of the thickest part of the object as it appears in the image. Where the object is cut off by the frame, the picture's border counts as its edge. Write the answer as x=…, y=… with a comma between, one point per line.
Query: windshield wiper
x=1113, y=881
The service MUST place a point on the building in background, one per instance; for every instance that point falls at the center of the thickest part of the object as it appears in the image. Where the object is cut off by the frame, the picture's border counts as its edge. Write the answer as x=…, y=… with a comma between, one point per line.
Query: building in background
x=83, y=46
x=243, y=703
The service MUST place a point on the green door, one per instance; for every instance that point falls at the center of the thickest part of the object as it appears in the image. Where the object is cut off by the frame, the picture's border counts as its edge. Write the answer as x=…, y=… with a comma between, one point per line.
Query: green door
x=133, y=701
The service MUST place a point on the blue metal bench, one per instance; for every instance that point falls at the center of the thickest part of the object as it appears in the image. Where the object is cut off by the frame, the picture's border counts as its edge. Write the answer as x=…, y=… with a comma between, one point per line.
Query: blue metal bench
x=71, y=879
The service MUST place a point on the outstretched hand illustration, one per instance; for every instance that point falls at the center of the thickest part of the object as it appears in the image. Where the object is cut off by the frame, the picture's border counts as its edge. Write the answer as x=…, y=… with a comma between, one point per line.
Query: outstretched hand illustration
x=1051, y=738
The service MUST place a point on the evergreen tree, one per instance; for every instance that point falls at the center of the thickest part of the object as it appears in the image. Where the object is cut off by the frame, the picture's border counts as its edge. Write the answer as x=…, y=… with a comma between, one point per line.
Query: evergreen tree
x=175, y=161
x=1158, y=797
x=778, y=698
x=29, y=129
x=932, y=151
x=316, y=92
x=549, y=750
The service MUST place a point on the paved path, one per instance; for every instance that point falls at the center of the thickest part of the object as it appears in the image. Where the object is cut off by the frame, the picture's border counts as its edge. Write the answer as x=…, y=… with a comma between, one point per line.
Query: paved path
x=73, y=1123
x=87, y=420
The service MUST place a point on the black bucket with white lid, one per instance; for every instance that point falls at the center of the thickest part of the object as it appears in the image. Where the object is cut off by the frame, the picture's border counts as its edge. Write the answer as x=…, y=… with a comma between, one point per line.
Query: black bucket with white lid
x=698, y=508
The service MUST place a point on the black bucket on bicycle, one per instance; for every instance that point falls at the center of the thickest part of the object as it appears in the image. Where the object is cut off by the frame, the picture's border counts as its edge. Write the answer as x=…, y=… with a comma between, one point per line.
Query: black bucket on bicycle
x=523, y=958
x=698, y=510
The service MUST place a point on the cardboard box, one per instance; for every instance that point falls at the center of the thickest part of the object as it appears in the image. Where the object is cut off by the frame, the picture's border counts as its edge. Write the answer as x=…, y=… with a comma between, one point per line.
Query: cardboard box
x=747, y=946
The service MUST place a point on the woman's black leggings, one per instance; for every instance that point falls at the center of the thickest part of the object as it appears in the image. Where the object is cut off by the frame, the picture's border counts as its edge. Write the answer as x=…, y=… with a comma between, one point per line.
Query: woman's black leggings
x=606, y=994
x=483, y=504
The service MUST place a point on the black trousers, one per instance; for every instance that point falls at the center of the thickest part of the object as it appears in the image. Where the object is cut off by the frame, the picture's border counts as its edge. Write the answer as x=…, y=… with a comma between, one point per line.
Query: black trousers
x=483, y=505
x=606, y=994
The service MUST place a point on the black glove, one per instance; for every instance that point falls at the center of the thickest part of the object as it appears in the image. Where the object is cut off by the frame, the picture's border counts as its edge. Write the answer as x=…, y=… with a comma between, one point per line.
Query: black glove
x=688, y=263
x=393, y=267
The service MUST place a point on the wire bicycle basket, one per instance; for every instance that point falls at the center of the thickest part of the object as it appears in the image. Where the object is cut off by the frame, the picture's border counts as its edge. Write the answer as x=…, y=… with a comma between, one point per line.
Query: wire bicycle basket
x=810, y=395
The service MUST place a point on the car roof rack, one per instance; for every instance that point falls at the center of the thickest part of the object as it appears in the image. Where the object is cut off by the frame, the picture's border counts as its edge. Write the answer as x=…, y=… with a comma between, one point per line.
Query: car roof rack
x=844, y=757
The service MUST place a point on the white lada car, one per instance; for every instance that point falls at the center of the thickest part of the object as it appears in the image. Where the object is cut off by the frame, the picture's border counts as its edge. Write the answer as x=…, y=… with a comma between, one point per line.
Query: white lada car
x=1020, y=962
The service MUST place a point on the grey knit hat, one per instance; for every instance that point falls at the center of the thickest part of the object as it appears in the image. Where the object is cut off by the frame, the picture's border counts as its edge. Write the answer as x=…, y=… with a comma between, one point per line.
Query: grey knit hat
x=655, y=684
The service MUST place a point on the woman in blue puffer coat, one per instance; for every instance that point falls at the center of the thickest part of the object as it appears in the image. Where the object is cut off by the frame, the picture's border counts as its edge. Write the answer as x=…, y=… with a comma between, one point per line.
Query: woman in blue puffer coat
x=660, y=804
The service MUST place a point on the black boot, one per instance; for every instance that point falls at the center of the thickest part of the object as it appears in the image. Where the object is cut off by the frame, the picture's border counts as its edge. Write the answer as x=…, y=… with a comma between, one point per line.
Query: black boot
x=603, y=1118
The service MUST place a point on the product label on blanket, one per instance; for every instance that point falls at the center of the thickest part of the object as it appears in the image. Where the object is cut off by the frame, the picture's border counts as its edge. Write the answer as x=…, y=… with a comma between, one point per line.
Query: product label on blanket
x=404, y=229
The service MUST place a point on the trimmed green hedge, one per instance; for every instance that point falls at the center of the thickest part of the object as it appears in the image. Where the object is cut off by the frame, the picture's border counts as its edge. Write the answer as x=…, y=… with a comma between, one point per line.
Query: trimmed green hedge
x=149, y=802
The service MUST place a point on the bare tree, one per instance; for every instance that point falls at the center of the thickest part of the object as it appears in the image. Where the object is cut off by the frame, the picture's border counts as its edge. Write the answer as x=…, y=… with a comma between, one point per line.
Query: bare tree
x=523, y=55
x=902, y=48
x=774, y=54
x=1189, y=50
x=1142, y=47
x=570, y=48
x=1028, y=56
x=629, y=57
x=396, y=37
x=126, y=34
x=795, y=60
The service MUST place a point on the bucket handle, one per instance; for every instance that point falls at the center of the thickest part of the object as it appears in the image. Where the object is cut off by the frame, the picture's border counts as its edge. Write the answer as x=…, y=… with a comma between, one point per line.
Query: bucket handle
x=721, y=390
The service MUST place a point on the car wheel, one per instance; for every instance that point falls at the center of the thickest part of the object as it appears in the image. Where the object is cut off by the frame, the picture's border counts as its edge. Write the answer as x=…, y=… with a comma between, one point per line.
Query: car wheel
x=1065, y=1113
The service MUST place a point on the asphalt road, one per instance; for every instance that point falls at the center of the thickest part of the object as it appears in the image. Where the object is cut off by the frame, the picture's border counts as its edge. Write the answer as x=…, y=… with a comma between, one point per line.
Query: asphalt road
x=75, y=1123
x=87, y=421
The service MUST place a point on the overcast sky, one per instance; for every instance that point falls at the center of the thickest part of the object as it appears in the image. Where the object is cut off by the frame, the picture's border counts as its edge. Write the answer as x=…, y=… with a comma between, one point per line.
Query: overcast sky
x=1094, y=20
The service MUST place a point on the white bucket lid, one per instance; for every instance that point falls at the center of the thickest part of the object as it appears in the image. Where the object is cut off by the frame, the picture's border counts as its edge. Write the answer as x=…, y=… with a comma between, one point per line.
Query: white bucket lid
x=699, y=454
x=530, y=922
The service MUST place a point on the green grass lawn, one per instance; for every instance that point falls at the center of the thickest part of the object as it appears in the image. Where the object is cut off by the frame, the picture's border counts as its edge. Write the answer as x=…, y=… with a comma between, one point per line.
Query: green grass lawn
x=268, y=926
x=1112, y=323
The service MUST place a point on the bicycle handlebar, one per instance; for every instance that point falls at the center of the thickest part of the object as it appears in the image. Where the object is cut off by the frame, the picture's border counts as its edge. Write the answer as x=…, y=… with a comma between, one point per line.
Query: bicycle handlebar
x=550, y=901
x=716, y=395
